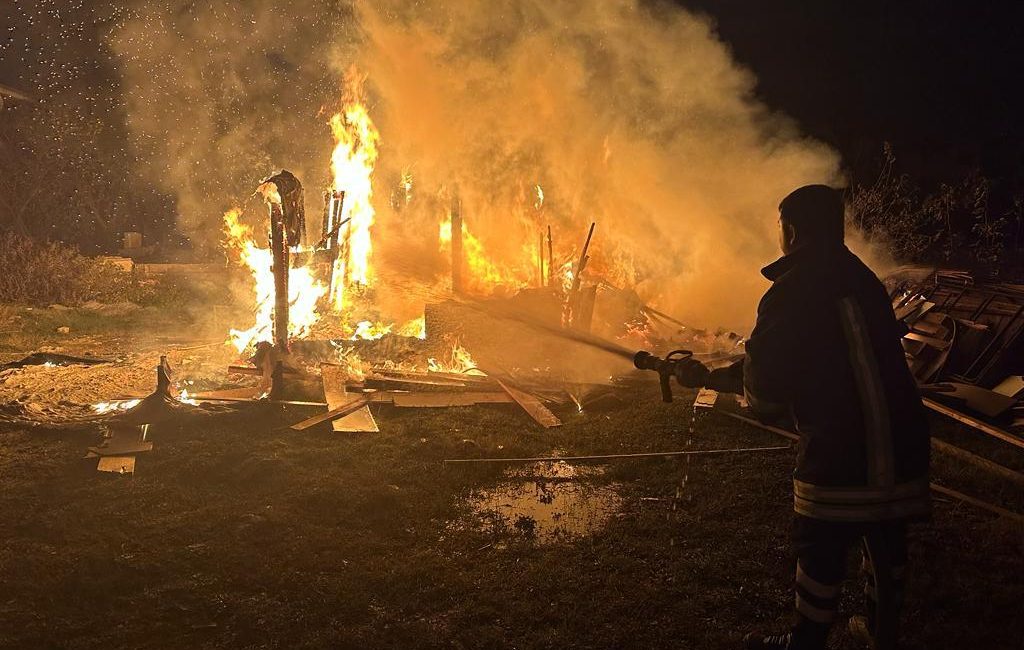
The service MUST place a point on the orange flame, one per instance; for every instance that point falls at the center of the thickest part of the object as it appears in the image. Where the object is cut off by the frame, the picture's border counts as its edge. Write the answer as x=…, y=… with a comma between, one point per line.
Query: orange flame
x=352, y=163
x=303, y=289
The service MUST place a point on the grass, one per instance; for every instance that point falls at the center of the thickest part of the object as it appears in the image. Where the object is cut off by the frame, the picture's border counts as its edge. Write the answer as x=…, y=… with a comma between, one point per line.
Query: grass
x=236, y=533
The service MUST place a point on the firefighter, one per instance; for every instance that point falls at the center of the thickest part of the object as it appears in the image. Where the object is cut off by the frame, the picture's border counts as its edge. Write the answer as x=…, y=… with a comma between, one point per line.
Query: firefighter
x=825, y=352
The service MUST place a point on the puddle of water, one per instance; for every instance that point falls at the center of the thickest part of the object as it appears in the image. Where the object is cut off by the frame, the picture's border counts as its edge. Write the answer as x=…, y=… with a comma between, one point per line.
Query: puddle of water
x=547, y=502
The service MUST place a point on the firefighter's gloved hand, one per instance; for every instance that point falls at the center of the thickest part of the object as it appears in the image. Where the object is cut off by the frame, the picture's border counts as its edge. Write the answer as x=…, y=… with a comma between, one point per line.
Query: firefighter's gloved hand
x=691, y=373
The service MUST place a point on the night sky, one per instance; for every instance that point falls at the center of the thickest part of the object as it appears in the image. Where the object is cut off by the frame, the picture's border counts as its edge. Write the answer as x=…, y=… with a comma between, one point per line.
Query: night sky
x=939, y=80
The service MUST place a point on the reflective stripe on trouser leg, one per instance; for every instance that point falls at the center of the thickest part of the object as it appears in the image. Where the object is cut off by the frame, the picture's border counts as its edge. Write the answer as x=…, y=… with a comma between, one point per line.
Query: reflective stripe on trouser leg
x=816, y=601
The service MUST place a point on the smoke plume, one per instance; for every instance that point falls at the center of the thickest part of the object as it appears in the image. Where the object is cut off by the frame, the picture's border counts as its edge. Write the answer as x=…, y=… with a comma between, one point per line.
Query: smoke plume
x=629, y=114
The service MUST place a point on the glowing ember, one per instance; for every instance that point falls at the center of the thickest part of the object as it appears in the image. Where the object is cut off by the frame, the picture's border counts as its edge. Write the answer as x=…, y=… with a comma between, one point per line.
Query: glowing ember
x=352, y=162
x=303, y=290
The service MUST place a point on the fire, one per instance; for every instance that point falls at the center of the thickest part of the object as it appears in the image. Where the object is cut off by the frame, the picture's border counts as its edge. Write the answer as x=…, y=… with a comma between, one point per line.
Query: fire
x=483, y=273
x=352, y=163
x=416, y=328
x=349, y=359
x=270, y=193
x=303, y=289
x=116, y=405
x=184, y=398
x=458, y=361
x=371, y=331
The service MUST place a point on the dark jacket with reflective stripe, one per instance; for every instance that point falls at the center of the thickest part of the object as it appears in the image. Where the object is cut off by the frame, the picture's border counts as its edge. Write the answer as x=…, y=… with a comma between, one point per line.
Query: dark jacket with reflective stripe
x=826, y=351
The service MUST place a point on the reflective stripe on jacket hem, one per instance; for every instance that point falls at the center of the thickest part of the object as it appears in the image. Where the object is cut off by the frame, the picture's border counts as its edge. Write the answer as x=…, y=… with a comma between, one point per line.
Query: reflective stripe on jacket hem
x=862, y=503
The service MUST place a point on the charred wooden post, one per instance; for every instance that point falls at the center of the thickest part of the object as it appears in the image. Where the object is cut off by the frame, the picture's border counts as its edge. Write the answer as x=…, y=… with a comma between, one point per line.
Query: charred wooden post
x=572, y=300
x=284, y=195
x=551, y=260
x=540, y=257
x=280, y=265
x=456, y=212
x=334, y=203
x=163, y=378
x=277, y=389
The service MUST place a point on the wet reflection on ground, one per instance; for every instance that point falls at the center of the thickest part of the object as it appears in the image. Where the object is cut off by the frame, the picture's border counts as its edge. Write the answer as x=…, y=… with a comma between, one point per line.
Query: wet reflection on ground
x=547, y=502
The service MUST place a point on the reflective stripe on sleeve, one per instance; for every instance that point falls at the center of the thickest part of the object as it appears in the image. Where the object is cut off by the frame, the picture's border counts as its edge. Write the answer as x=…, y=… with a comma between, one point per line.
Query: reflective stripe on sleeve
x=871, y=392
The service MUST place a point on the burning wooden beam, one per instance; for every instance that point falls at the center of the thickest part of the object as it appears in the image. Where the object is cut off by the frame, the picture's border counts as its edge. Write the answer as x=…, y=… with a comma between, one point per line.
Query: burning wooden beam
x=551, y=260
x=456, y=210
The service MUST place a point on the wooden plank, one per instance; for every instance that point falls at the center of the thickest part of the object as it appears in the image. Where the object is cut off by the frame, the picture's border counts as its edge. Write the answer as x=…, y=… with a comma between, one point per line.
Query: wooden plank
x=289, y=402
x=1012, y=386
x=116, y=464
x=445, y=400
x=978, y=503
x=988, y=403
x=540, y=413
x=123, y=442
x=257, y=372
x=122, y=449
x=983, y=463
x=928, y=340
x=247, y=392
x=417, y=384
x=984, y=427
x=760, y=425
x=706, y=399
x=355, y=403
x=359, y=420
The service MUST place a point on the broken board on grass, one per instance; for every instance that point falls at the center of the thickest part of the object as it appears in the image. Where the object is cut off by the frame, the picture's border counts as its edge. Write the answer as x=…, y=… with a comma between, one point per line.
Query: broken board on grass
x=117, y=464
x=360, y=420
x=540, y=413
x=445, y=400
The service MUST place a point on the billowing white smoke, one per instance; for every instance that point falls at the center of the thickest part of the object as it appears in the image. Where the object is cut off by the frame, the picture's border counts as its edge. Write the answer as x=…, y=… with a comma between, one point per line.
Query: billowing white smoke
x=629, y=114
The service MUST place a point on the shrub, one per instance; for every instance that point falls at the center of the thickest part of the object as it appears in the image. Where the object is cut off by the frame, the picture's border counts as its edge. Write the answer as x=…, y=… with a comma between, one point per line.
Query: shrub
x=955, y=223
x=38, y=273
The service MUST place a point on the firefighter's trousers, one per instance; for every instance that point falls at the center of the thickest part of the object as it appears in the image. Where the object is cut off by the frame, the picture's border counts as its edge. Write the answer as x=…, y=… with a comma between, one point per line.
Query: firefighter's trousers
x=821, y=549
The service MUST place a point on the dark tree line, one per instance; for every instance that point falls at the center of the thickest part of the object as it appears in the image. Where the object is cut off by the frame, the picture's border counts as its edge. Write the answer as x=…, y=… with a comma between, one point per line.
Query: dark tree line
x=64, y=178
x=974, y=221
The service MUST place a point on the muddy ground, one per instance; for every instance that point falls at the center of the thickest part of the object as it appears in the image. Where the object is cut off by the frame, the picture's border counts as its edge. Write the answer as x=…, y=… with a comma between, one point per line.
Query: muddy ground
x=237, y=532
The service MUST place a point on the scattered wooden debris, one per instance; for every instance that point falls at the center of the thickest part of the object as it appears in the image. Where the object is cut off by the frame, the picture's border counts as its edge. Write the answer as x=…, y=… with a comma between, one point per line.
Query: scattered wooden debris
x=706, y=399
x=117, y=464
x=355, y=403
x=445, y=400
x=359, y=420
x=980, y=425
x=606, y=457
x=52, y=359
x=533, y=407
